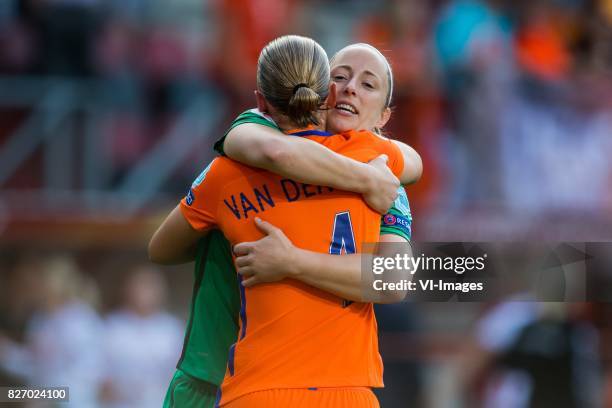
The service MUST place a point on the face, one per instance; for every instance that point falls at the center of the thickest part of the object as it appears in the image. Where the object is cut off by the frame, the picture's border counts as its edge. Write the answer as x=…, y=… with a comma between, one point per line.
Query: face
x=145, y=291
x=360, y=76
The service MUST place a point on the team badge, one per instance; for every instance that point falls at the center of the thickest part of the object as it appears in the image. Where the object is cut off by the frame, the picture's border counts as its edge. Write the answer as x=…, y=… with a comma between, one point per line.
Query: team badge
x=202, y=176
x=190, y=197
x=389, y=219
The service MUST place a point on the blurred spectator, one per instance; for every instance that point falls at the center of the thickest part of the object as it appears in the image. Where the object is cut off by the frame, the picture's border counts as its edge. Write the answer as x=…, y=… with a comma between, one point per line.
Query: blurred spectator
x=248, y=25
x=402, y=30
x=142, y=343
x=68, y=29
x=541, y=49
x=17, y=48
x=61, y=345
x=536, y=355
x=473, y=51
x=20, y=295
x=18, y=300
x=403, y=376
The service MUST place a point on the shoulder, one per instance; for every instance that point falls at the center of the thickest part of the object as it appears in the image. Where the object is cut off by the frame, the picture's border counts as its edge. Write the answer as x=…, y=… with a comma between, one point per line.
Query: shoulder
x=367, y=138
x=254, y=116
x=219, y=167
x=366, y=135
x=251, y=116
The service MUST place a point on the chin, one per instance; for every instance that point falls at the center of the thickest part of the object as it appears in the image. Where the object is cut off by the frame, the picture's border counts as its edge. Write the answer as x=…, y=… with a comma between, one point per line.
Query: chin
x=339, y=124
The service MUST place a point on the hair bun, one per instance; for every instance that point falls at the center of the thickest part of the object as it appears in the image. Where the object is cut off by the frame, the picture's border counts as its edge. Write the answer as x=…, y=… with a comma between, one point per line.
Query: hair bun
x=293, y=76
x=303, y=105
x=298, y=86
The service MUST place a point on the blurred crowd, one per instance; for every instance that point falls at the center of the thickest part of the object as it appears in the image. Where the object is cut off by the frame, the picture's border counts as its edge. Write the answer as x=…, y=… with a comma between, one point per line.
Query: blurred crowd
x=51, y=333
x=509, y=103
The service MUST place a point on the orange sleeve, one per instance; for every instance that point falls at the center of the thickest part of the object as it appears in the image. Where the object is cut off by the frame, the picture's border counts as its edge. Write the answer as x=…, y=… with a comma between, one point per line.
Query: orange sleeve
x=393, y=152
x=396, y=158
x=199, y=206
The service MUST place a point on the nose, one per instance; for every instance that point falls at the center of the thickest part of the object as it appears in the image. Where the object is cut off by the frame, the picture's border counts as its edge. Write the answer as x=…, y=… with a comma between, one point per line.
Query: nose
x=350, y=87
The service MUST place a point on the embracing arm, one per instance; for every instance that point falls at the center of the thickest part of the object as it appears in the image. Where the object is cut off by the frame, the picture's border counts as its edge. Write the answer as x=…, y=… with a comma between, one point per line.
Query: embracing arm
x=413, y=165
x=310, y=162
x=274, y=257
x=175, y=241
x=296, y=158
x=339, y=275
x=343, y=276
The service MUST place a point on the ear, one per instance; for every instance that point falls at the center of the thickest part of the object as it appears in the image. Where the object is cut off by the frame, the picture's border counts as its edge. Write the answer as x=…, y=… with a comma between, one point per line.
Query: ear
x=384, y=118
x=262, y=104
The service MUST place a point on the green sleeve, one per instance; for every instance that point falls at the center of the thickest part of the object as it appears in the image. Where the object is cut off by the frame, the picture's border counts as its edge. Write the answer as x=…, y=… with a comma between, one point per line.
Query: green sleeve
x=249, y=116
x=398, y=220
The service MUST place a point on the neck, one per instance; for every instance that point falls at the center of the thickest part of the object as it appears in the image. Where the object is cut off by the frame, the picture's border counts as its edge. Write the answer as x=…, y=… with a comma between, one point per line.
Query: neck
x=284, y=123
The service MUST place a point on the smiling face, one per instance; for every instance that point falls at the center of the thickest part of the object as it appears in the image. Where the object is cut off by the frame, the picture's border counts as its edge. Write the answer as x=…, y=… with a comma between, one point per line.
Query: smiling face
x=362, y=90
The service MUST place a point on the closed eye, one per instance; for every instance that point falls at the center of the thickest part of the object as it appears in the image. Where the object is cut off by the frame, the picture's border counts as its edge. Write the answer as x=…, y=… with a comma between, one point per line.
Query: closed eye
x=339, y=77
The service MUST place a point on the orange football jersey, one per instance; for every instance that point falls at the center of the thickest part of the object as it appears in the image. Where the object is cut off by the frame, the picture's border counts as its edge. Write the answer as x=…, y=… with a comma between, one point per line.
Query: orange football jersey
x=293, y=335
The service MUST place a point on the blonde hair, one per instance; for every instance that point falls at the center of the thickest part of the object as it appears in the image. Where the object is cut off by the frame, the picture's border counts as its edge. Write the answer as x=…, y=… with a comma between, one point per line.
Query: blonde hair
x=63, y=279
x=293, y=76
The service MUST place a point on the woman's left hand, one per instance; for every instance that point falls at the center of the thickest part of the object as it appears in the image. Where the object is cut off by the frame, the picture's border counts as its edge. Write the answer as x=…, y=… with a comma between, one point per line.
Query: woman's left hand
x=269, y=259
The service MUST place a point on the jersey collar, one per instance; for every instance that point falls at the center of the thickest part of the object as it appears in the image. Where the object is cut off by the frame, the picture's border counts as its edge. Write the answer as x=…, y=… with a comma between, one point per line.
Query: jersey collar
x=309, y=131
